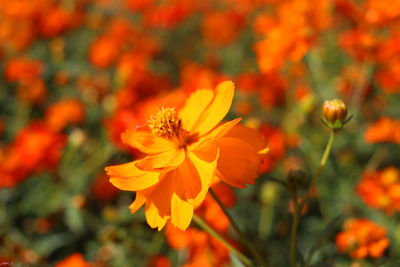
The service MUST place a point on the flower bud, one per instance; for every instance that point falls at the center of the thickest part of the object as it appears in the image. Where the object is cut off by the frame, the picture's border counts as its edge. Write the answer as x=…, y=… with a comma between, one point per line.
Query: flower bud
x=334, y=110
x=334, y=113
x=296, y=178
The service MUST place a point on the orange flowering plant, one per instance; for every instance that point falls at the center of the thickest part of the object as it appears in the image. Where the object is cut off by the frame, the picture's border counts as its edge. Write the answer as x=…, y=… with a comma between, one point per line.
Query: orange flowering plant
x=185, y=152
x=362, y=238
x=207, y=115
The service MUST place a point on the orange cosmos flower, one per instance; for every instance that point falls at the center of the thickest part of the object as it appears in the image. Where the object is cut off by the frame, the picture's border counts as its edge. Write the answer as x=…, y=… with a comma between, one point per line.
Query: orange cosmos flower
x=299, y=17
x=270, y=88
x=20, y=69
x=55, y=21
x=159, y=261
x=102, y=190
x=104, y=51
x=381, y=189
x=382, y=11
x=167, y=16
x=362, y=238
x=36, y=148
x=222, y=28
x=202, y=249
x=32, y=92
x=64, y=112
x=138, y=5
x=195, y=76
x=385, y=129
x=75, y=259
x=185, y=151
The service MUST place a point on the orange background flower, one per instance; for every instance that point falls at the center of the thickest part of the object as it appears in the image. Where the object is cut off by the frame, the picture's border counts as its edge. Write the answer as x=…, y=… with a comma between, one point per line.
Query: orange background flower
x=362, y=238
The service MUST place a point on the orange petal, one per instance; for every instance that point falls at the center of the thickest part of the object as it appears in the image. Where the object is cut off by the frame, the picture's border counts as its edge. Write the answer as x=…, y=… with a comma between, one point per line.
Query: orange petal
x=216, y=133
x=217, y=109
x=126, y=169
x=184, y=182
x=135, y=183
x=206, y=166
x=161, y=193
x=254, y=137
x=181, y=212
x=194, y=107
x=377, y=249
x=219, y=177
x=153, y=218
x=223, y=129
x=207, y=151
x=170, y=158
x=360, y=253
x=188, y=177
x=238, y=162
x=147, y=142
x=128, y=177
x=137, y=203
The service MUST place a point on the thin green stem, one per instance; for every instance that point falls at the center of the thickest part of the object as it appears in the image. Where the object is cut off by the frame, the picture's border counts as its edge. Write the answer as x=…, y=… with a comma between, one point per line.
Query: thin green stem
x=239, y=232
x=293, y=233
x=298, y=207
x=211, y=231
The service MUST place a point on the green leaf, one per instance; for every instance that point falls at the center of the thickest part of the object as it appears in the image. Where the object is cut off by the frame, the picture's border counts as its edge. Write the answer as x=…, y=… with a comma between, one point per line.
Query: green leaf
x=50, y=242
x=300, y=255
x=327, y=231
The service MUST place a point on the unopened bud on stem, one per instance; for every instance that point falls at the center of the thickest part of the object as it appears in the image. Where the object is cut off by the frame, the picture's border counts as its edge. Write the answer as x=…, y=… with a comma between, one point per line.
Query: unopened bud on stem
x=295, y=179
x=334, y=113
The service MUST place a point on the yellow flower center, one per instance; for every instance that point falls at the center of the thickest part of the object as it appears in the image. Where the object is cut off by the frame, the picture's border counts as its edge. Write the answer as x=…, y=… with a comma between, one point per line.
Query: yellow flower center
x=165, y=123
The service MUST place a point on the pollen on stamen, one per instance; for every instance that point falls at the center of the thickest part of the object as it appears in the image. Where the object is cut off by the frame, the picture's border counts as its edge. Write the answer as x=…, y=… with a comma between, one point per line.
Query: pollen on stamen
x=165, y=123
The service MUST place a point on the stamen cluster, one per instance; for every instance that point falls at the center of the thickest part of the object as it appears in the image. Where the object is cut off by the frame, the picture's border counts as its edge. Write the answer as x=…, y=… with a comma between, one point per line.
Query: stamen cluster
x=165, y=123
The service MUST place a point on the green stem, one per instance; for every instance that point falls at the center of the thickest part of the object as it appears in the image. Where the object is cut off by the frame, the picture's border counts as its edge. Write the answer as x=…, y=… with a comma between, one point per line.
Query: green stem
x=211, y=231
x=239, y=232
x=293, y=233
x=298, y=207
